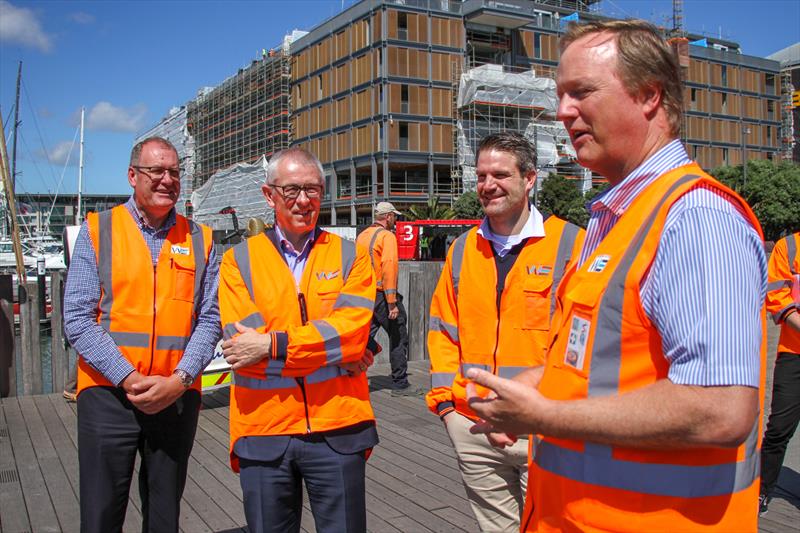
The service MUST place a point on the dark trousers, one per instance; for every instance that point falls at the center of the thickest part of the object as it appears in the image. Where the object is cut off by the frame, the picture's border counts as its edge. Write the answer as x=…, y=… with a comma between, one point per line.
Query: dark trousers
x=273, y=490
x=397, y=330
x=110, y=433
x=783, y=418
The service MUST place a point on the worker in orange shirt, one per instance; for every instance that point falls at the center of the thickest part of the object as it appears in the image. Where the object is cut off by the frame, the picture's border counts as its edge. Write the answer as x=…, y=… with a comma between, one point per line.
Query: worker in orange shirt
x=389, y=312
x=491, y=310
x=783, y=303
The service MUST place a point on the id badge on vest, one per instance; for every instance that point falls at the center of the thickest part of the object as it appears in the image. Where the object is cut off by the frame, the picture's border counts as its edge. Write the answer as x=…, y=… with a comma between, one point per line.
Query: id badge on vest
x=575, y=352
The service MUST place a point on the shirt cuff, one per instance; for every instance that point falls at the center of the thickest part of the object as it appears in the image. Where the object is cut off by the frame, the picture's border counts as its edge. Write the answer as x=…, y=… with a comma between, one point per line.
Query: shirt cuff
x=444, y=408
x=280, y=345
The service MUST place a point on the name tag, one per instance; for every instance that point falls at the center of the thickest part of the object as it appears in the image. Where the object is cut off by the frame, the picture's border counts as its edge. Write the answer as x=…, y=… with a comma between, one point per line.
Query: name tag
x=179, y=250
x=576, y=344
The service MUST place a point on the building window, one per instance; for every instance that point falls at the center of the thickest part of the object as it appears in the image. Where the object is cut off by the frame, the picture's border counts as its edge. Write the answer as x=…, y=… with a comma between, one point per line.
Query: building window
x=768, y=140
x=694, y=99
x=404, y=98
x=402, y=26
x=299, y=95
x=725, y=155
x=537, y=45
x=770, y=79
x=547, y=20
x=319, y=86
x=725, y=75
x=770, y=110
x=725, y=103
x=404, y=135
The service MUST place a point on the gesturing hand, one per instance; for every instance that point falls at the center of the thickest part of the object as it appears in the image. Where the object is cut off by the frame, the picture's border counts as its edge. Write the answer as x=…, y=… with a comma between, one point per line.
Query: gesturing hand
x=247, y=348
x=357, y=367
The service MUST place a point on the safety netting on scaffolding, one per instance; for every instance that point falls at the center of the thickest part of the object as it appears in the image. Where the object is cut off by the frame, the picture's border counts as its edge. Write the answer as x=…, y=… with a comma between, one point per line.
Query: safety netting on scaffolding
x=491, y=99
x=173, y=128
x=233, y=192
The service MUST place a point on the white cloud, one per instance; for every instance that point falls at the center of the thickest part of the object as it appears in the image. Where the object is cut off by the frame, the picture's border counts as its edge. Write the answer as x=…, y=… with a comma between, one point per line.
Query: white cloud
x=108, y=117
x=58, y=154
x=21, y=26
x=81, y=17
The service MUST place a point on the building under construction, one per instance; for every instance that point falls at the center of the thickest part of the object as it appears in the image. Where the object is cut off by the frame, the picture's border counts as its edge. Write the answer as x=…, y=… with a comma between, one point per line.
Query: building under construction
x=244, y=118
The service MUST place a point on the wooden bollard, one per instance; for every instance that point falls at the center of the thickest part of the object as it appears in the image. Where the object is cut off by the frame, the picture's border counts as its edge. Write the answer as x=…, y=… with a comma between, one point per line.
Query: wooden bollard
x=59, y=358
x=8, y=370
x=29, y=338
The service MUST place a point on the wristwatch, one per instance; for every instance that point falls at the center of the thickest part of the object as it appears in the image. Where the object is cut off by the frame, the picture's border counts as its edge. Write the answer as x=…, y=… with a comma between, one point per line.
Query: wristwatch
x=185, y=377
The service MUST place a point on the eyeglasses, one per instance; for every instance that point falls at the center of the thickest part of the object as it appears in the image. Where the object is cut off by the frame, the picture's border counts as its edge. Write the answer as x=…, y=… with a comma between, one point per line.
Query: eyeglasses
x=157, y=173
x=290, y=192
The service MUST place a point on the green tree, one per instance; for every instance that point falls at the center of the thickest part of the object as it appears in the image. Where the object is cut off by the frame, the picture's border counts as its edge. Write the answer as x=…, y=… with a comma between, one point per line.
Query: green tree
x=468, y=206
x=772, y=190
x=432, y=210
x=562, y=197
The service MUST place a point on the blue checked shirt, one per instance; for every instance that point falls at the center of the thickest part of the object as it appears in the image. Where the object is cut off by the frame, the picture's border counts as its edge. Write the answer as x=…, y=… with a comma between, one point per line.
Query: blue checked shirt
x=82, y=297
x=708, y=281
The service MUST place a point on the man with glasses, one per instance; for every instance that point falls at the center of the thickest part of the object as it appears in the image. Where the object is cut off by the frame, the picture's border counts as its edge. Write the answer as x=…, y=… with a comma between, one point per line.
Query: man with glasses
x=140, y=309
x=389, y=312
x=296, y=304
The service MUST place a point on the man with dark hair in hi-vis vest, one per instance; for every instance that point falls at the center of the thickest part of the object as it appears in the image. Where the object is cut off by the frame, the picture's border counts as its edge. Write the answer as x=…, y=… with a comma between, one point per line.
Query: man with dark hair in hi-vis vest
x=140, y=308
x=296, y=304
x=491, y=309
x=647, y=408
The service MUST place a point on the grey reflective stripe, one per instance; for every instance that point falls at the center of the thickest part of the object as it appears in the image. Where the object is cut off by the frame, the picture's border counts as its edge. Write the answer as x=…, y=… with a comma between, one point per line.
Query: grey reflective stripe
x=242, y=255
x=372, y=248
x=509, y=372
x=780, y=284
x=351, y=300
x=130, y=339
x=199, y=251
x=325, y=373
x=104, y=268
x=437, y=324
x=271, y=383
x=791, y=252
x=331, y=340
x=607, y=348
x=251, y=321
x=442, y=379
x=563, y=255
x=658, y=479
x=171, y=342
x=458, y=258
x=466, y=366
x=348, y=258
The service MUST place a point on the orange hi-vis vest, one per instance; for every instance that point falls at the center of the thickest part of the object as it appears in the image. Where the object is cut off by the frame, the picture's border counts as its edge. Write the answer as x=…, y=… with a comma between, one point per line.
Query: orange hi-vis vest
x=602, y=344
x=315, y=326
x=382, y=246
x=148, y=310
x=783, y=291
x=470, y=328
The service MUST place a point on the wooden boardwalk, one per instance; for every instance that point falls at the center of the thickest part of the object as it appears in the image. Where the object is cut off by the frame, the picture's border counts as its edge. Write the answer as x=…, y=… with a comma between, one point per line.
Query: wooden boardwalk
x=413, y=483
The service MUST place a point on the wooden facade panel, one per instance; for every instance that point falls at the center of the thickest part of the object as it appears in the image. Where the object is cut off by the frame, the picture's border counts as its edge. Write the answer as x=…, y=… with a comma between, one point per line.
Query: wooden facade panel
x=363, y=140
x=394, y=91
x=698, y=71
x=394, y=135
x=418, y=100
x=734, y=77
x=441, y=102
x=441, y=65
x=377, y=18
x=342, y=78
x=342, y=108
x=526, y=40
x=549, y=47
x=362, y=69
x=343, y=145
x=361, y=108
x=341, y=48
x=447, y=32
x=391, y=23
x=360, y=35
x=442, y=138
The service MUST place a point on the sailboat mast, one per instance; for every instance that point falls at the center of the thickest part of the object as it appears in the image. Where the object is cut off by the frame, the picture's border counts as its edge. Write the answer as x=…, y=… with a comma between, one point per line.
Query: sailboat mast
x=16, y=125
x=80, y=174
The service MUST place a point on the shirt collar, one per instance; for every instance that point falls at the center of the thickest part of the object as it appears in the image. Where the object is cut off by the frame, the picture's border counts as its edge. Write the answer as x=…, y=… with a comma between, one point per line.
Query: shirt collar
x=289, y=247
x=534, y=227
x=618, y=198
x=137, y=216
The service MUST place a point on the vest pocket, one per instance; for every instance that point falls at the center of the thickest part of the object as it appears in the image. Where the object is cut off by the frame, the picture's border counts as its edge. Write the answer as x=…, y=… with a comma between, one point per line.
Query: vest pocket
x=327, y=298
x=184, y=280
x=536, y=293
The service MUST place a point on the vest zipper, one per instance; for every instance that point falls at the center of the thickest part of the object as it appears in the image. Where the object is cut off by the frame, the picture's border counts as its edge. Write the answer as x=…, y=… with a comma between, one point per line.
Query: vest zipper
x=153, y=336
x=301, y=382
x=497, y=330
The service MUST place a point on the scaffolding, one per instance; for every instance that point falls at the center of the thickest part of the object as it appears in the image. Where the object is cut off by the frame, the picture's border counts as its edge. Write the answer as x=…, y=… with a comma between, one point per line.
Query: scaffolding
x=493, y=98
x=787, y=116
x=244, y=118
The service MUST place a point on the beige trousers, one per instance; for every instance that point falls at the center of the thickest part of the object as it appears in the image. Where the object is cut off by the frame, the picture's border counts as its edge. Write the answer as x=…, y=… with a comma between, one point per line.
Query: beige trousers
x=495, y=479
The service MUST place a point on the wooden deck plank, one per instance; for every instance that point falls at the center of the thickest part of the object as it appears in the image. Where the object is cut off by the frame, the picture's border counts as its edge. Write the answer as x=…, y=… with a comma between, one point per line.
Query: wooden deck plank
x=12, y=502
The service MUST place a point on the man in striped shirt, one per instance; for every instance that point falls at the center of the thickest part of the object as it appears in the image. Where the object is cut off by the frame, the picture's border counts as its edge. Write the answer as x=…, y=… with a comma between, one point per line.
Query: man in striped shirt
x=701, y=297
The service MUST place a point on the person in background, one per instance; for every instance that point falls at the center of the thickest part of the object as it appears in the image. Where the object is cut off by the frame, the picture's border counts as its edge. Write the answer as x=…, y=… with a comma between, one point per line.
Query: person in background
x=783, y=304
x=491, y=309
x=648, y=404
x=389, y=312
x=140, y=308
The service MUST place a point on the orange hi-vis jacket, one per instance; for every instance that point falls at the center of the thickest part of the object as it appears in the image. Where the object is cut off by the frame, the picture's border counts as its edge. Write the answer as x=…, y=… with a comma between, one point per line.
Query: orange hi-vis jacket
x=783, y=291
x=149, y=311
x=325, y=321
x=382, y=246
x=602, y=344
x=469, y=326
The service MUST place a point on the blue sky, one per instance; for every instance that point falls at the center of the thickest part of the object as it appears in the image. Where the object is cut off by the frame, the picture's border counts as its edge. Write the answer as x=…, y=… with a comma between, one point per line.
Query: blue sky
x=128, y=62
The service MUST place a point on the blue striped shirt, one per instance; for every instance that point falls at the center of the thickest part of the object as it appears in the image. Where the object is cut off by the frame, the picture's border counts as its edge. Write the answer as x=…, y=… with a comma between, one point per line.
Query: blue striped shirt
x=708, y=281
x=82, y=297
